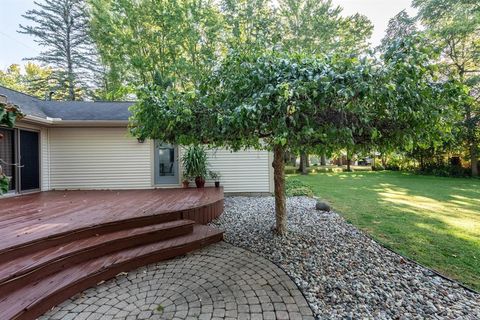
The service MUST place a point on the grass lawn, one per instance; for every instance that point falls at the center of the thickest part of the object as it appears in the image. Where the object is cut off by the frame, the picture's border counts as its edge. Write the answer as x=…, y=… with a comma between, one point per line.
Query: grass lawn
x=433, y=220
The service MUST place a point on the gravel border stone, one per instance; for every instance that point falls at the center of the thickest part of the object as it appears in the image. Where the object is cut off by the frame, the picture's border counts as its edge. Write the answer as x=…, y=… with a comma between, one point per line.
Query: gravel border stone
x=341, y=271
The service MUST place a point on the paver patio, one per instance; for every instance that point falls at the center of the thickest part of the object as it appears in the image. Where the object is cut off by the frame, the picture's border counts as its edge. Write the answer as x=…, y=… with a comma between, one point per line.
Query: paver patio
x=218, y=282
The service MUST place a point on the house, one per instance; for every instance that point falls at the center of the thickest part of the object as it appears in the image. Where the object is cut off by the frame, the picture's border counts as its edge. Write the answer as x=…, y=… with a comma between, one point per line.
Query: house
x=58, y=243
x=70, y=145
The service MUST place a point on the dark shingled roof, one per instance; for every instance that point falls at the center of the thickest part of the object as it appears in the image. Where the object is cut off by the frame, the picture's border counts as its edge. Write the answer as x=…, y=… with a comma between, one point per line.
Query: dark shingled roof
x=68, y=110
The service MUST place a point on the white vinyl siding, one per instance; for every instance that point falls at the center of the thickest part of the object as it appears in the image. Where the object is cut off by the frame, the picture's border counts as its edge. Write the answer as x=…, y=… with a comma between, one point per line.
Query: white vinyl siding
x=45, y=159
x=98, y=158
x=107, y=158
x=243, y=171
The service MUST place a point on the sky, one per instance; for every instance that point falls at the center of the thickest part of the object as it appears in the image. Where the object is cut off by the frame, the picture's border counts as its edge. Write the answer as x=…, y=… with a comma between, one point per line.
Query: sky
x=14, y=46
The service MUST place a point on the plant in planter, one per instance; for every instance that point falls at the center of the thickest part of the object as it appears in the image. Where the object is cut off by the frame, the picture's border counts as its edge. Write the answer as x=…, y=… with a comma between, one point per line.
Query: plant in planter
x=215, y=176
x=195, y=164
x=185, y=180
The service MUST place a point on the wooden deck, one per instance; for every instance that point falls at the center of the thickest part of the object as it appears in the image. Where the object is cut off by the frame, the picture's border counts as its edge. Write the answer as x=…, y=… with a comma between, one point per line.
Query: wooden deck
x=55, y=244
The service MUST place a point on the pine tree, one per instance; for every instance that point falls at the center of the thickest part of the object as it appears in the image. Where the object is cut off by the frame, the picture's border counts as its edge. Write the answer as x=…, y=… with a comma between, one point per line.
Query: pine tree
x=399, y=27
x=61, y=27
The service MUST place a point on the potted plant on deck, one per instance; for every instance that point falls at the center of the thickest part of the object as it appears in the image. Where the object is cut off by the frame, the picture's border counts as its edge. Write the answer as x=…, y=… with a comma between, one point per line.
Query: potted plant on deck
x=185, y=180
x=215, y=176
x=195, y=164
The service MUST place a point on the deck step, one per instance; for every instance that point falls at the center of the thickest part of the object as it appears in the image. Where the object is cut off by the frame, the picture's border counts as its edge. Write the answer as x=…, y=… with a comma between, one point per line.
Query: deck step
x=32, y=267
x=51, y=239
x=34, y=299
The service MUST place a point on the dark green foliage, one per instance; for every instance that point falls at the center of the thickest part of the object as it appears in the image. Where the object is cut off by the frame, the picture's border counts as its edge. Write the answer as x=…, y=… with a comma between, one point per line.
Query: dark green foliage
x=296, y=188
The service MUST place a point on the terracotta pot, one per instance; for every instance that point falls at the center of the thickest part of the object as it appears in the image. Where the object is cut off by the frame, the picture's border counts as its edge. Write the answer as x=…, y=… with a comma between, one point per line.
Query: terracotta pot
x=200, y=182
x=185, y=183
x=217, y=184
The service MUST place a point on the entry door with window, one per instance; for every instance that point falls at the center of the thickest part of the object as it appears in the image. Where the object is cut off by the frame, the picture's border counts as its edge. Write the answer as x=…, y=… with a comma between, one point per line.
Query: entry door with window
x=166, y=163
x=29, y=160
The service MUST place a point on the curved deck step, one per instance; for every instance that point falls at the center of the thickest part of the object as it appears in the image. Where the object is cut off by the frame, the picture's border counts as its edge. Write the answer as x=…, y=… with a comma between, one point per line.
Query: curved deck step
x=36, y=298
x=55, y=239
x=35, y=266
x=34, y=222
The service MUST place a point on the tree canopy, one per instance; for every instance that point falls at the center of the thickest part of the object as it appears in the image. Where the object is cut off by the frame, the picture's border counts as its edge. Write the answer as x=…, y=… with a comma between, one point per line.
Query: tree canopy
x=274, y=101
x=454, y=27
x=161, y=41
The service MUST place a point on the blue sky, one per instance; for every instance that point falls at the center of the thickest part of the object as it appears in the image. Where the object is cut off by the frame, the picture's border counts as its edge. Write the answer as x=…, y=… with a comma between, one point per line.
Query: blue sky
x=14, y=46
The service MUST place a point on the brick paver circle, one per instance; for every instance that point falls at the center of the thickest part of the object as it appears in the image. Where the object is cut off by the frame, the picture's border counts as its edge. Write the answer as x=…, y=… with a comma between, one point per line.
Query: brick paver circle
x=218, y=282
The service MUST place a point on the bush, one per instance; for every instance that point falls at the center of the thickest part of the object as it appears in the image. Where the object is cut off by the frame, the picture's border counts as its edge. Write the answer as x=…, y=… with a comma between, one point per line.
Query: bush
x=445, y=171
x=296, y=188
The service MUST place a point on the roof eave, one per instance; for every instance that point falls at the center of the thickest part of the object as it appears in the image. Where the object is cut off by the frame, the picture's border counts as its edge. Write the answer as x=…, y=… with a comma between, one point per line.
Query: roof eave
x=90, y=123
x=73, y=123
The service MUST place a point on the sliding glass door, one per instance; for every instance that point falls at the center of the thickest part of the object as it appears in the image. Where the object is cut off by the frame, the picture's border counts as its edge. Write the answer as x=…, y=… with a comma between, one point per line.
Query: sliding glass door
x=20, y=158
x=7, y=154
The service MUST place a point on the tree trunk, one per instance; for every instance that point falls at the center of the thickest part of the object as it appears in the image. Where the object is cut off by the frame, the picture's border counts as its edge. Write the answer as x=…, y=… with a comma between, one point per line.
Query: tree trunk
x=323, y=160
x=280, y=198
x=307, y=160
x=474, y=160
x=472, y=142
x=290, y=158
x=303, y=163
x=70, y=77
x=348, y=161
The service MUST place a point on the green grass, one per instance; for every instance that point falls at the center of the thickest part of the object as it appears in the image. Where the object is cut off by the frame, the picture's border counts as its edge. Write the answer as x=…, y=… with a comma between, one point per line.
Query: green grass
x=432, y=220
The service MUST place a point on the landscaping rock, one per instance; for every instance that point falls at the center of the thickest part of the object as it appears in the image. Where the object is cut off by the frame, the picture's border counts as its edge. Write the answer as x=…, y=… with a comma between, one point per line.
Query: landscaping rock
x=342, y=272
x=322, y=206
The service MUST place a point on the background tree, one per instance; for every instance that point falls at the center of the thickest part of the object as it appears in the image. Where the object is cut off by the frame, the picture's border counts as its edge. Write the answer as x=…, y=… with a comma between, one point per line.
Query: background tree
x=163, y=41
x=251, y=25
x=401, y=26
x=454, y=26
x=33, y=79
x=318, y=28
x=61, y=27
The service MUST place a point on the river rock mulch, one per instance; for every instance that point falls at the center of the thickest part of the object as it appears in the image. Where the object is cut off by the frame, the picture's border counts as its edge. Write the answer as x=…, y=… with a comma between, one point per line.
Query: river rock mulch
x=341, y=271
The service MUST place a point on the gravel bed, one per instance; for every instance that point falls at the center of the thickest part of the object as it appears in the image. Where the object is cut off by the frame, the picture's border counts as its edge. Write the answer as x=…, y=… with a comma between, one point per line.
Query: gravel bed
x=341, y=271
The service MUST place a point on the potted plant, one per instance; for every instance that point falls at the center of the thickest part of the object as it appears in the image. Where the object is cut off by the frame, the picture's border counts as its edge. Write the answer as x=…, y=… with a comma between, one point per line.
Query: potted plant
x=215, y=176
x=185, y=180
x=195, y=164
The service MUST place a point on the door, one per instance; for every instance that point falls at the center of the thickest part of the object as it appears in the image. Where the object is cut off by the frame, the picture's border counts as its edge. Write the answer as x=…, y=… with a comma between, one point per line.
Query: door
x=166, y=163
x=7, y=154
x=29, y=160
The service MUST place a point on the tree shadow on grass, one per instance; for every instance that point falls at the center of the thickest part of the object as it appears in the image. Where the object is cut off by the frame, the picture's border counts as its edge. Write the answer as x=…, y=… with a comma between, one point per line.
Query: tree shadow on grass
x=435, y=221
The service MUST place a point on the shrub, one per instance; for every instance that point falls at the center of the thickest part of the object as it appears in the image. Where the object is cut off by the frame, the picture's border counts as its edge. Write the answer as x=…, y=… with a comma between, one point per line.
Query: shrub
x=296, y=188
x=442, y=170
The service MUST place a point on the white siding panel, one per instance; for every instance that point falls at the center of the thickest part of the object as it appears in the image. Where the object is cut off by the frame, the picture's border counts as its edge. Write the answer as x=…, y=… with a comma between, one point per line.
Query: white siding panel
x=98, y=158
x=242, y=171
x=45, y=159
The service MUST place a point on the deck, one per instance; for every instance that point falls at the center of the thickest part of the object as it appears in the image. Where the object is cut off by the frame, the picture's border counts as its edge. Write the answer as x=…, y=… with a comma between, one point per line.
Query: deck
x=48, y=237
